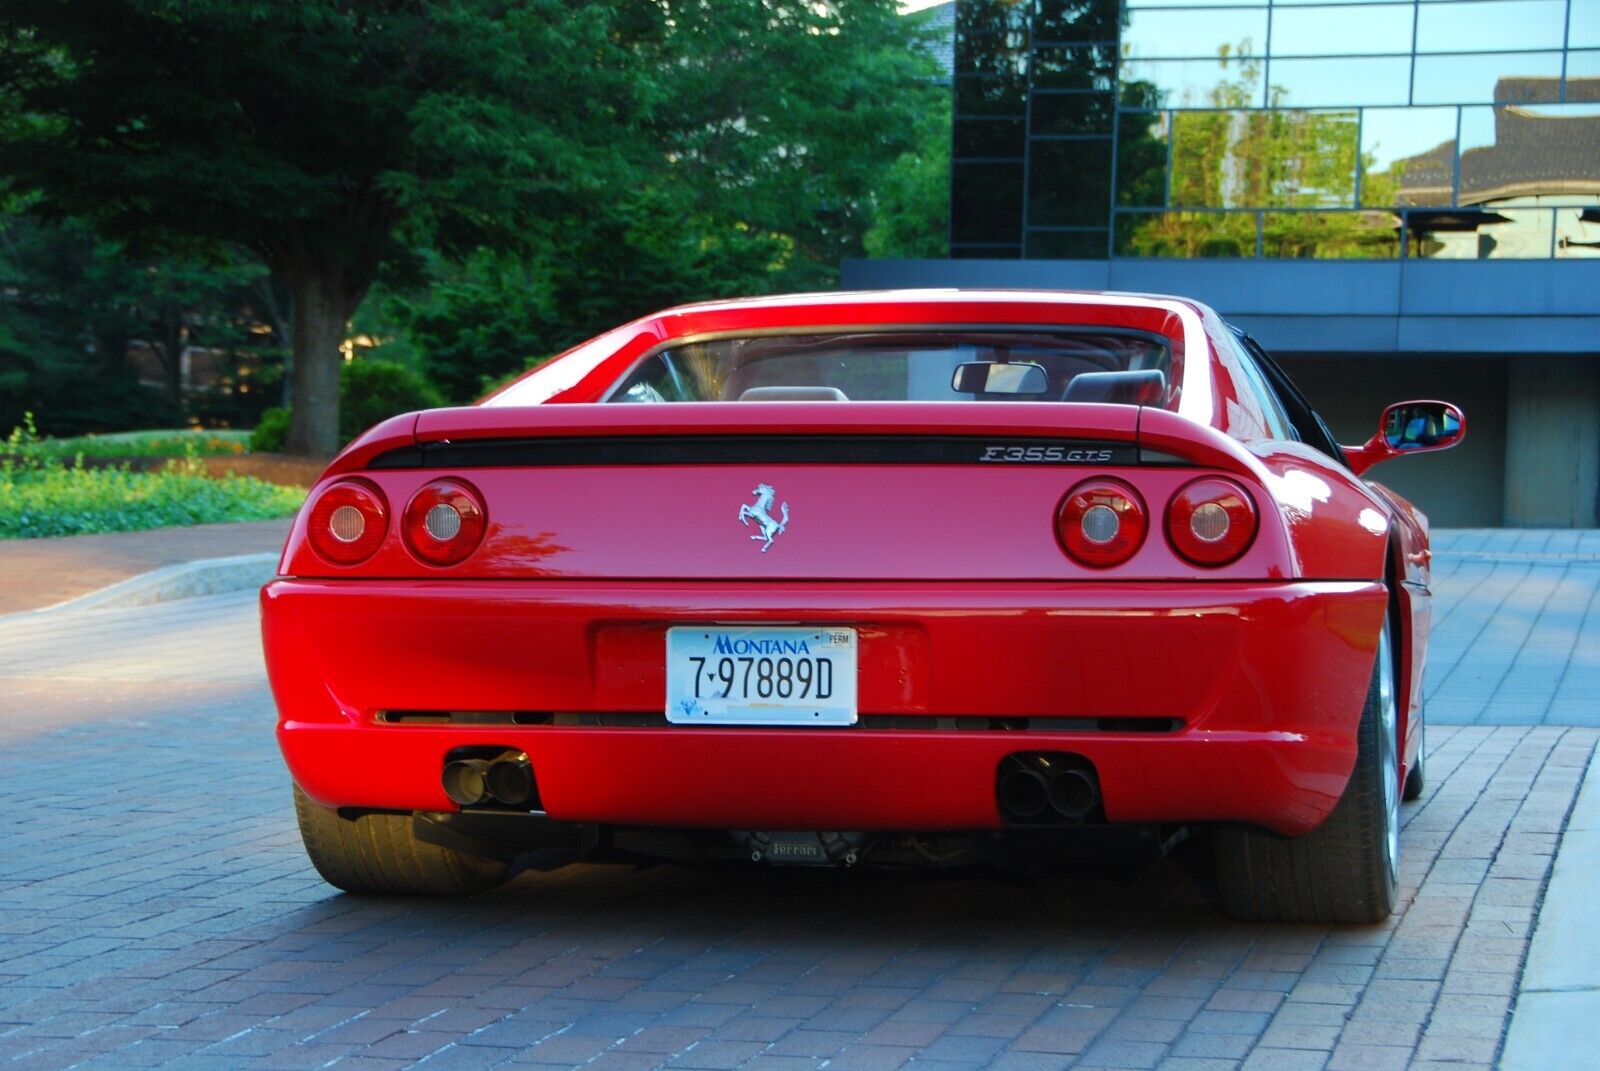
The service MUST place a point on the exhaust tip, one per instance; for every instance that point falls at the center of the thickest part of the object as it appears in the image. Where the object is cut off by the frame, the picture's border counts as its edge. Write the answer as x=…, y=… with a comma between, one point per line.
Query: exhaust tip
x=466, y=781
x=1024, y=794
x=1072, y=793
x=510, y=782
x=1047, y=788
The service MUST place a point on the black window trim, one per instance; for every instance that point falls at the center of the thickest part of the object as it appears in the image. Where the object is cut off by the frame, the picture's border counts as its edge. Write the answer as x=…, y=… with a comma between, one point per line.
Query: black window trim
x=666, y=346
x=1308, y=423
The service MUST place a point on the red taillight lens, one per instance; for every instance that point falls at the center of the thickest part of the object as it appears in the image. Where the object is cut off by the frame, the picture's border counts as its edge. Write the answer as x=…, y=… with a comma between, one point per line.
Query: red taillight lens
x=348, y=522
x=1211, y=521
x=1101, y=523
x=445, y=522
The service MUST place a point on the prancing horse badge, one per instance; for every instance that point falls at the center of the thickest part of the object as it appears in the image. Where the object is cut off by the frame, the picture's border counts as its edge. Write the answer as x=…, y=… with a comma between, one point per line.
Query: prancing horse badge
x=761, y=513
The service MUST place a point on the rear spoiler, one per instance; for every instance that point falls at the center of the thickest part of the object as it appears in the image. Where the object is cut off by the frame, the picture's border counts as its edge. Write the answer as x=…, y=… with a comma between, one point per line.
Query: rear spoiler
x=820, y=431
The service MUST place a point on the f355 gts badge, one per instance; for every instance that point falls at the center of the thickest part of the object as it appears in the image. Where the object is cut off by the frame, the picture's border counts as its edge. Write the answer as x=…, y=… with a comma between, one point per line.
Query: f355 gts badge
x=761, y=512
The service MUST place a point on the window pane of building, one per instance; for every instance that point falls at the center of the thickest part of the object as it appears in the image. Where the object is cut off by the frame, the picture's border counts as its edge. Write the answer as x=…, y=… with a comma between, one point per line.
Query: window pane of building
x=1196, y=83
x=1186, y=234
x=1408, y=156
x=1000, y=62
x=1348, y=30
x=1069, y=183
x=1330, y=235
x=992, y=22
x=1066, y=245
x=1578, y=232
x=1085, y=67
x=1583, y=76
x=1530, y=76
x=1498, y=234
x=990, y=137
x=1158, y=34
x=1509, y=154
x=986, y=202
x=991, y=96
x=1207, y=3
x=1076, y=20
x=1142, y=158
x=1584, y=29
x=1071, y=113
x=985, y=252
x=1321, y=83
x=1264, y=159
x=1492, y=26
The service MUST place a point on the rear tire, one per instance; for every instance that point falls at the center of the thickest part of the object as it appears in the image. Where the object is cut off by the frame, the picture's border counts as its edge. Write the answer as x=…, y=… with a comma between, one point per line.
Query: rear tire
x=1345, y=870
x=379, y=854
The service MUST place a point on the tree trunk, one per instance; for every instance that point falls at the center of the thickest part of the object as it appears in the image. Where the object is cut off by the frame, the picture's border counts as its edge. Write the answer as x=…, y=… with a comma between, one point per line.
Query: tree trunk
x=322, y=305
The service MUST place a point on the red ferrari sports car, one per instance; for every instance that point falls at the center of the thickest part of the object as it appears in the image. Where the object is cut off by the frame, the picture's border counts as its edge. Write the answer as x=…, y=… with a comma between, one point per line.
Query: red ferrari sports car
x=900, y=577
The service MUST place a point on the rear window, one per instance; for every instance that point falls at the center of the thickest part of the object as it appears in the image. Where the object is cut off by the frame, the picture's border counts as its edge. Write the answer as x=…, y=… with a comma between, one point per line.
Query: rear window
x=891, y=366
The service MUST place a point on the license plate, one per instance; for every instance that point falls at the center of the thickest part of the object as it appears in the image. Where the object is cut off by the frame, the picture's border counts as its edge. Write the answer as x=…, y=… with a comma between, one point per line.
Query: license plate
x=761, y=676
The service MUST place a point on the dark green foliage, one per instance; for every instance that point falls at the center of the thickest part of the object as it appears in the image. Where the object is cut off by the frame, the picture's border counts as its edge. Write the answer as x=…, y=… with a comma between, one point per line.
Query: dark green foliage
x=310, y=131
x=271, y=431
x=46, y=495
x=611, y=156
x=377, y=390
x=913, y=212
x=373, y=391
x=71, y=303
x=480, y=322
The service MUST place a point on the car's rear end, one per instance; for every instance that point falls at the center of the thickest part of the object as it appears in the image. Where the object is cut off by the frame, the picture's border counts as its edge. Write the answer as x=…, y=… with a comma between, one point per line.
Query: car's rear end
x=866, y=617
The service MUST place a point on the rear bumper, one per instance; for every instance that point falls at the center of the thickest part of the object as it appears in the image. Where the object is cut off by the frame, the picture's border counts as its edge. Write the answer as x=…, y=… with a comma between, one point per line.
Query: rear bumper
x=1267, y=680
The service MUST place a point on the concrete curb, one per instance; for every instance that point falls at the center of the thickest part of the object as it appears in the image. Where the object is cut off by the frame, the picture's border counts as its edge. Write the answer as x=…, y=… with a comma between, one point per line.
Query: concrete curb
x=1556, y=1019
x=207, y=576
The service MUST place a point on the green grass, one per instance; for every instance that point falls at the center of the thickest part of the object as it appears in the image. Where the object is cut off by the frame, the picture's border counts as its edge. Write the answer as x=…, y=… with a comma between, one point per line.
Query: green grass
x=45, y=493
x=164, y=442
x=53, y=500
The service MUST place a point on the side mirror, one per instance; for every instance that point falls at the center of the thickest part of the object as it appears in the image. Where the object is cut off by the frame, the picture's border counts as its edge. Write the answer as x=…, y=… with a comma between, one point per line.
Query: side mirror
x=995, y=377
x=1409, y=428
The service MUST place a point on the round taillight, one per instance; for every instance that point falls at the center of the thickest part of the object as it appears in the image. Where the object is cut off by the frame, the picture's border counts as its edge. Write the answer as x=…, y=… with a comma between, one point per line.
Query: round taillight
x=445, y=522
x=1101, y=523
x=348, y=522
x=1211, y=521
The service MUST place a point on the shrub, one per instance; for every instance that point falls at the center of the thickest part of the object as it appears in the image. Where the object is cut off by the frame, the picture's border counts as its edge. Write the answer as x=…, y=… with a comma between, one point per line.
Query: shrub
x=272, y=431
x=174, y=442
x=46, y=499
x=370, y=391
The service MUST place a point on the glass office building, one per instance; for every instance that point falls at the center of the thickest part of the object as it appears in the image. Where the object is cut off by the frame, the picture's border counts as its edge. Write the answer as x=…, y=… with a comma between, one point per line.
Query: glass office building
x=1399, y=199
x=1463, y=129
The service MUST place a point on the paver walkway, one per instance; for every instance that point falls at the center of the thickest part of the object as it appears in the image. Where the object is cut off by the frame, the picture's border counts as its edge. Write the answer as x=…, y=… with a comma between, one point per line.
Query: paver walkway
x=35, y=573
x=1516, y=628
x=156, y=909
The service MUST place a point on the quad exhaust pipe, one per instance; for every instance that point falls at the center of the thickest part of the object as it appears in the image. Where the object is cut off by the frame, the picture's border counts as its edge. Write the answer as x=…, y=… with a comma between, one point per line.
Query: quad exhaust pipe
x=1024, y=793
x=1046, y=788
x=1073, y=793
x=506, y=781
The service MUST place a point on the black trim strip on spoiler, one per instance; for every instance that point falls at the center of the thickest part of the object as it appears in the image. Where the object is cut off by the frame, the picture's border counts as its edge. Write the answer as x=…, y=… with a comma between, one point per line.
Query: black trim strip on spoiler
x=759, y=450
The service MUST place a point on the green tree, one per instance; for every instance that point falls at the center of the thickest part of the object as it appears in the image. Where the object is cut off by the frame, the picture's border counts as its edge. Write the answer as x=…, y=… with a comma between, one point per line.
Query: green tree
x=309, y=132
x=331, y=138
x=912, y=213
x=70, y=305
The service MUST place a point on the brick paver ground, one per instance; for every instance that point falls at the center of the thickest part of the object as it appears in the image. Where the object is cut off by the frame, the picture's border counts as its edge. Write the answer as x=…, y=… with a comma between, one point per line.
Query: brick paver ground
x=156, y=909
x=42, y=572
x=1517, y=628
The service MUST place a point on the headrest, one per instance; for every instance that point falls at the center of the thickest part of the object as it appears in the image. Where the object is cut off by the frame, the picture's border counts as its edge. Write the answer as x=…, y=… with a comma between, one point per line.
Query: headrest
x=1117, y=388
x=793, y=394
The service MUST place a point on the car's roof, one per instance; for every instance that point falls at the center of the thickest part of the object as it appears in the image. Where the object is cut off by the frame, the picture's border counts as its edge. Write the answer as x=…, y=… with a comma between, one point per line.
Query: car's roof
x=571, y=368
x=934, y=294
